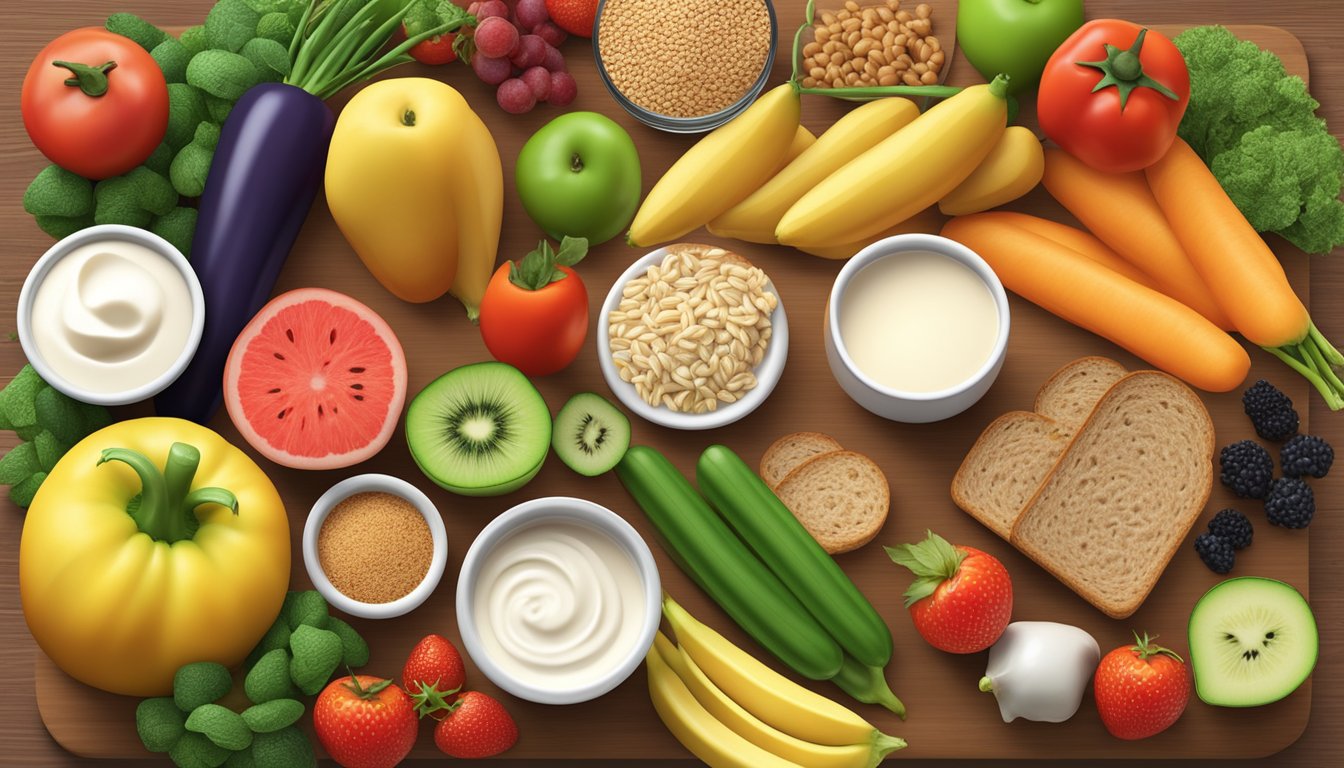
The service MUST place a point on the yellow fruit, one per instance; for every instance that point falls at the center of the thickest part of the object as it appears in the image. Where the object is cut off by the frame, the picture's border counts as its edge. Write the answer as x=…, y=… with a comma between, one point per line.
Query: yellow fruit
x=927, y=221
x=1012, y=169
x=755, y=218
x=478, y=202
x=904, y=174
x=720, y=170
x=802, y=139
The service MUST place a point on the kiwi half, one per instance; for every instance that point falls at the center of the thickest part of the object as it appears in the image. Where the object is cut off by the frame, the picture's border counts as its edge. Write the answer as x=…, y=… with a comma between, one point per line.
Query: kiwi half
x=590, y=434
x=1253, y=641
x=479, y=430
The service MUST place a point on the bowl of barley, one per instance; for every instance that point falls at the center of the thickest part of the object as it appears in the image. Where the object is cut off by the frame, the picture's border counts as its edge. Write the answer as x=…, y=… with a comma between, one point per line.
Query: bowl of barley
x=692, y=337
x=865, y=43
x=687, y=66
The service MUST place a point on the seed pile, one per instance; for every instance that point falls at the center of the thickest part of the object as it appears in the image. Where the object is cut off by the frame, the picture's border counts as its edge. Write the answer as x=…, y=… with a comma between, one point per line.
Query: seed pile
x=690, y=331
x=684, y=59
x=375, y=547
x=874, y=45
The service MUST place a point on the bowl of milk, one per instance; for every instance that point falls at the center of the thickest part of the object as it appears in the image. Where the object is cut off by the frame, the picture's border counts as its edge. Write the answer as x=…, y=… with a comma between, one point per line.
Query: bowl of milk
x=916, y=328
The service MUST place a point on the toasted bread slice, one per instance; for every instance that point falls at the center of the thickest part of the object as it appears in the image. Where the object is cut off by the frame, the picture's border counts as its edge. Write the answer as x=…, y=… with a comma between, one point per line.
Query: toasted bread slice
x=1006, y=466
x=840, y=497
x=1073, y=391
x=1123, y=497
x=789, y=451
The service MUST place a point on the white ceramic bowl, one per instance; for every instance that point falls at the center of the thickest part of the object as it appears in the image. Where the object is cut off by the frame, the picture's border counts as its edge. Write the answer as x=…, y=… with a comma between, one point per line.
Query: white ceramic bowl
x=564, y=510
x=374, y=483
x=895, y=404
x=60, y=250
x=767, y=373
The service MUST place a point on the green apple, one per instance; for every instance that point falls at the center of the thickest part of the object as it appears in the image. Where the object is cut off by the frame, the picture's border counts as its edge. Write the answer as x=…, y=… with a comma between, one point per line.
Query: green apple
x=1015, y=37
x=579, y=176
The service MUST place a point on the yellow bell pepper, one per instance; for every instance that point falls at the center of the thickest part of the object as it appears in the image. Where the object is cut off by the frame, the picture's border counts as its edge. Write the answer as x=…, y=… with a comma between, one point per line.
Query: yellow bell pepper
x=153, y=543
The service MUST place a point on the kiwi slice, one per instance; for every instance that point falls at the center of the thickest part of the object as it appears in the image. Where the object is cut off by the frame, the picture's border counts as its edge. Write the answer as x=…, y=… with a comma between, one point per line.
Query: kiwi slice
x=590, y=434
x=1252, y=641
x=479, y=430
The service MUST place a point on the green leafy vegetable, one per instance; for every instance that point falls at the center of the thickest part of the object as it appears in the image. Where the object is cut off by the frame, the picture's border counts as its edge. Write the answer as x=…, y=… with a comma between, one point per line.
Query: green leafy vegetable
x=269, y=679
x=1255, y=126
x=273, y=715
x=186, y=109
x=241, y=759
x=160, y=723
x=316, y=654
x=160, y=160
x=221, y=725
x=23, y=493
x=62, y=226
x=222, y=74
x=200, y=683
x=49, y=450
x=285, y=748
x=278, y=27
x=194, y=750
x=50, y=421
x=144, y=34
x=19, y=463
x=541, y=267
x=193, y=39
x=354, y=650
x=58, y=192
x=192, y=164
x=16, y=400
x=172, y=57
x=270, y=58
x=229, y=25
x=218, y=109
x=305, y=608
x=177, y=226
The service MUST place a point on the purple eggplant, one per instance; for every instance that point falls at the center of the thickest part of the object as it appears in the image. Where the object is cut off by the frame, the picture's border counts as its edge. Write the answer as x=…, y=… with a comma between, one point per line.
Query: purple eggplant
x=266, y=171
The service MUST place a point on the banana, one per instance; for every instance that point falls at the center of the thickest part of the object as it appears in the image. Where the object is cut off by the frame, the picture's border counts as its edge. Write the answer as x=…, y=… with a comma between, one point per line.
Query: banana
x=478, y=200
x=772, y=740
x=904, y=174
x=926, y=220
x=708, y=739
x=755, y=218
x=763, y=692
x=719, y=170
x=1012, y=169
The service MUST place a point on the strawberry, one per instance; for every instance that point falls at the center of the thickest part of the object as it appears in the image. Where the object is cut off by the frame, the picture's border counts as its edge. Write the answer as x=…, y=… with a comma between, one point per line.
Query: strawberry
x=1141, y=689
x=961, y=599
x=433, y=670
x=476, y=726
x=574, y=16
x=365, y=722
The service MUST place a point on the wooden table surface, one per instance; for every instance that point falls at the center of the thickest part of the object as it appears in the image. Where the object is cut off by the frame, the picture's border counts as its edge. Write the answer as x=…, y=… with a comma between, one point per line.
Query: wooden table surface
x=29, y=26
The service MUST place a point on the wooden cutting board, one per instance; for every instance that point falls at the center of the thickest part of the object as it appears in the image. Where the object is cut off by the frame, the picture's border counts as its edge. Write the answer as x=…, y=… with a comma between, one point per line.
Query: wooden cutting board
x=948, y=716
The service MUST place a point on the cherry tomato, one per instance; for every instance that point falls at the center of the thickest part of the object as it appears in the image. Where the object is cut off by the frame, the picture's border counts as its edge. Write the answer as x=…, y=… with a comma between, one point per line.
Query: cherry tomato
x=95, y=103
x=1128, y=124
x=436, y=50
x=538, y=331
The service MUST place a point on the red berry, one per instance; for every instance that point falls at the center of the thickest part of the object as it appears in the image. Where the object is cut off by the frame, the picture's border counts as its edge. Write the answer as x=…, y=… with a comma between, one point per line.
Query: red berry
x=551, y=33
x=1141, y=689
x=539, y=80
x=478, y=726
x=962, y=598
x=554, y=60
x=515, y=96
x=530, y=13
x=474, y=8
x=496, y=37
x=574, y=16
x=491, y=8
x=434, y=661
x=531, y=52
x=563, y=89
x=491, y=71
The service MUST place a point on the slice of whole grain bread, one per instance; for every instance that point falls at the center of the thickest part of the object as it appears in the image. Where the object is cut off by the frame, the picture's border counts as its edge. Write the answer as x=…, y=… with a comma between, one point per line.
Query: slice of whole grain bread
x=789, y=451
x=1073, y=391
x=840, y=497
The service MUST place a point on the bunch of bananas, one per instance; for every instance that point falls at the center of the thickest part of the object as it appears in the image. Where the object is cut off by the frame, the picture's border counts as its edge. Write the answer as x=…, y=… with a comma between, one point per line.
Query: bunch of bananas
x=732, y=711
x=877, y=172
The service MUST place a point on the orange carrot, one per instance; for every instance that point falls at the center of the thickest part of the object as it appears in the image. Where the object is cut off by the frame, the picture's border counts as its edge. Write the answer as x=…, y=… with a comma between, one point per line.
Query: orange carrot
x=1120, y=210
x=1244, y=275
x=1155, y=327
x=1077, y=240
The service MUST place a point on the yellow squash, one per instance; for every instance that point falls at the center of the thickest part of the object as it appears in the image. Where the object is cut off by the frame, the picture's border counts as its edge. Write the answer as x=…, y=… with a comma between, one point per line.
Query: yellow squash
x=755, y=218
x=1012, y=169
x=415, y=184
x=719, y=170
x=198, y=572
x=904, y=174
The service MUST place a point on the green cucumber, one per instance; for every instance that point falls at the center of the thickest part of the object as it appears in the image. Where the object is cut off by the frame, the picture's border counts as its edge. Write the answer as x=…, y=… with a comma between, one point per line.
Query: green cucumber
x=719, y=563
x=867, y=684
x=790, y=552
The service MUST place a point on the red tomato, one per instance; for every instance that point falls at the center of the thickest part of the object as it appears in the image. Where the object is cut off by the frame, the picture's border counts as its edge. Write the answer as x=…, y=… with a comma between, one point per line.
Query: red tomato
x=436, y=50
x=538, y=332
x=1131, y=122
x=95, y=103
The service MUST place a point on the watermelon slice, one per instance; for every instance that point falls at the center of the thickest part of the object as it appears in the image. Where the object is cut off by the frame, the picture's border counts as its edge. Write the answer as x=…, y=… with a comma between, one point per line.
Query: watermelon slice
x=316, y=380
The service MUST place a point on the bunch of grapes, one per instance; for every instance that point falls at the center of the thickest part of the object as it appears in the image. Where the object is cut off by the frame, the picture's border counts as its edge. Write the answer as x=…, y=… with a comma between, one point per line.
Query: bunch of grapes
x=517, y=50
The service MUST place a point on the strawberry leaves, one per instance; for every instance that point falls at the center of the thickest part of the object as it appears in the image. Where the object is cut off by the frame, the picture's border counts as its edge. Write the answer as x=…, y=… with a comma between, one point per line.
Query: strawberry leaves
x=932, y=560
x=541, y=267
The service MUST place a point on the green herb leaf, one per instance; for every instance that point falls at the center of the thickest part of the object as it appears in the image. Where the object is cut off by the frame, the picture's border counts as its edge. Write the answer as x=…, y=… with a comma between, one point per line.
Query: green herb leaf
x=194, y=750
x=230, y=24
x=49, y=450
x=541, y=267
x=305, y=607
x=269, y=679
x=273, y=715
x=16, y=399
x=18, y=464
x=200, y=682
x=317, y=654
x=221, y=725
x=285, y=748
x=160, y=723
x=572, y=251
x=932, y=561
x=354, y=650
x=23, y=493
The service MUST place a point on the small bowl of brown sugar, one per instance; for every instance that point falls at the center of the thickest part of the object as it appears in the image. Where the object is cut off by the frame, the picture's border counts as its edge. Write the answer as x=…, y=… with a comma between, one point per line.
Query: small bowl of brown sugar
x=375, y=546
x=687, y=66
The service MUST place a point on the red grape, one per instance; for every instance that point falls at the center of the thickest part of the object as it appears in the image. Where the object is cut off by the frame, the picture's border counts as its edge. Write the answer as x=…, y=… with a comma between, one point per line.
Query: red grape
x=491, y=8
x=554, y=60
x=515, y=96
x=531, y=51
x=531, y=13
x=474, y=7
x=491, y=71
x=539, y=80
x=551, y=33
x=563, y=88
x=496, y=37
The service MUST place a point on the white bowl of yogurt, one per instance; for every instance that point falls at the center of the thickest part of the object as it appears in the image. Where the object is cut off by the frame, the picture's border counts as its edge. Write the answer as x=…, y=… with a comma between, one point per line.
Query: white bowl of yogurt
x=916, y=328
x=558, y=600
x=111, y=315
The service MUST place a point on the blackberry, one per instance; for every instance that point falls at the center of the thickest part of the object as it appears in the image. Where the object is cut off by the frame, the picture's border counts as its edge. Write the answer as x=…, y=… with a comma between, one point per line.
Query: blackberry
x=1270, y=410
x=1215, y=552
x=1306, y=455
x=1247, y=469
x=1290, y=503
x=1233, y=527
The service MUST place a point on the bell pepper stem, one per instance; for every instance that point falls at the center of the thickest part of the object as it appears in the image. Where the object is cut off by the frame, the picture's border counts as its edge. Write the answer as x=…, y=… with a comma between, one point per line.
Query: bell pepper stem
x=92, y=80
x=165, y=509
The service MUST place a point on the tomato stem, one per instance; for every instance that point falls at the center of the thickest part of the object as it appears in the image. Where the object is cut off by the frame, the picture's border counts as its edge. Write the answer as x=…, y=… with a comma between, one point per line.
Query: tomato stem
x=1124, y=70
x=165, y=508
x=92, y=80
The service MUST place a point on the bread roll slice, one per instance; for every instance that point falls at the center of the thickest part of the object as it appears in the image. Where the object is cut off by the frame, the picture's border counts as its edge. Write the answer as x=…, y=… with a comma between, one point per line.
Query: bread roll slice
x=1125, y=494
x=788, y=452
x=1073, y=391
x=1006, y=466
x=841, y=498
